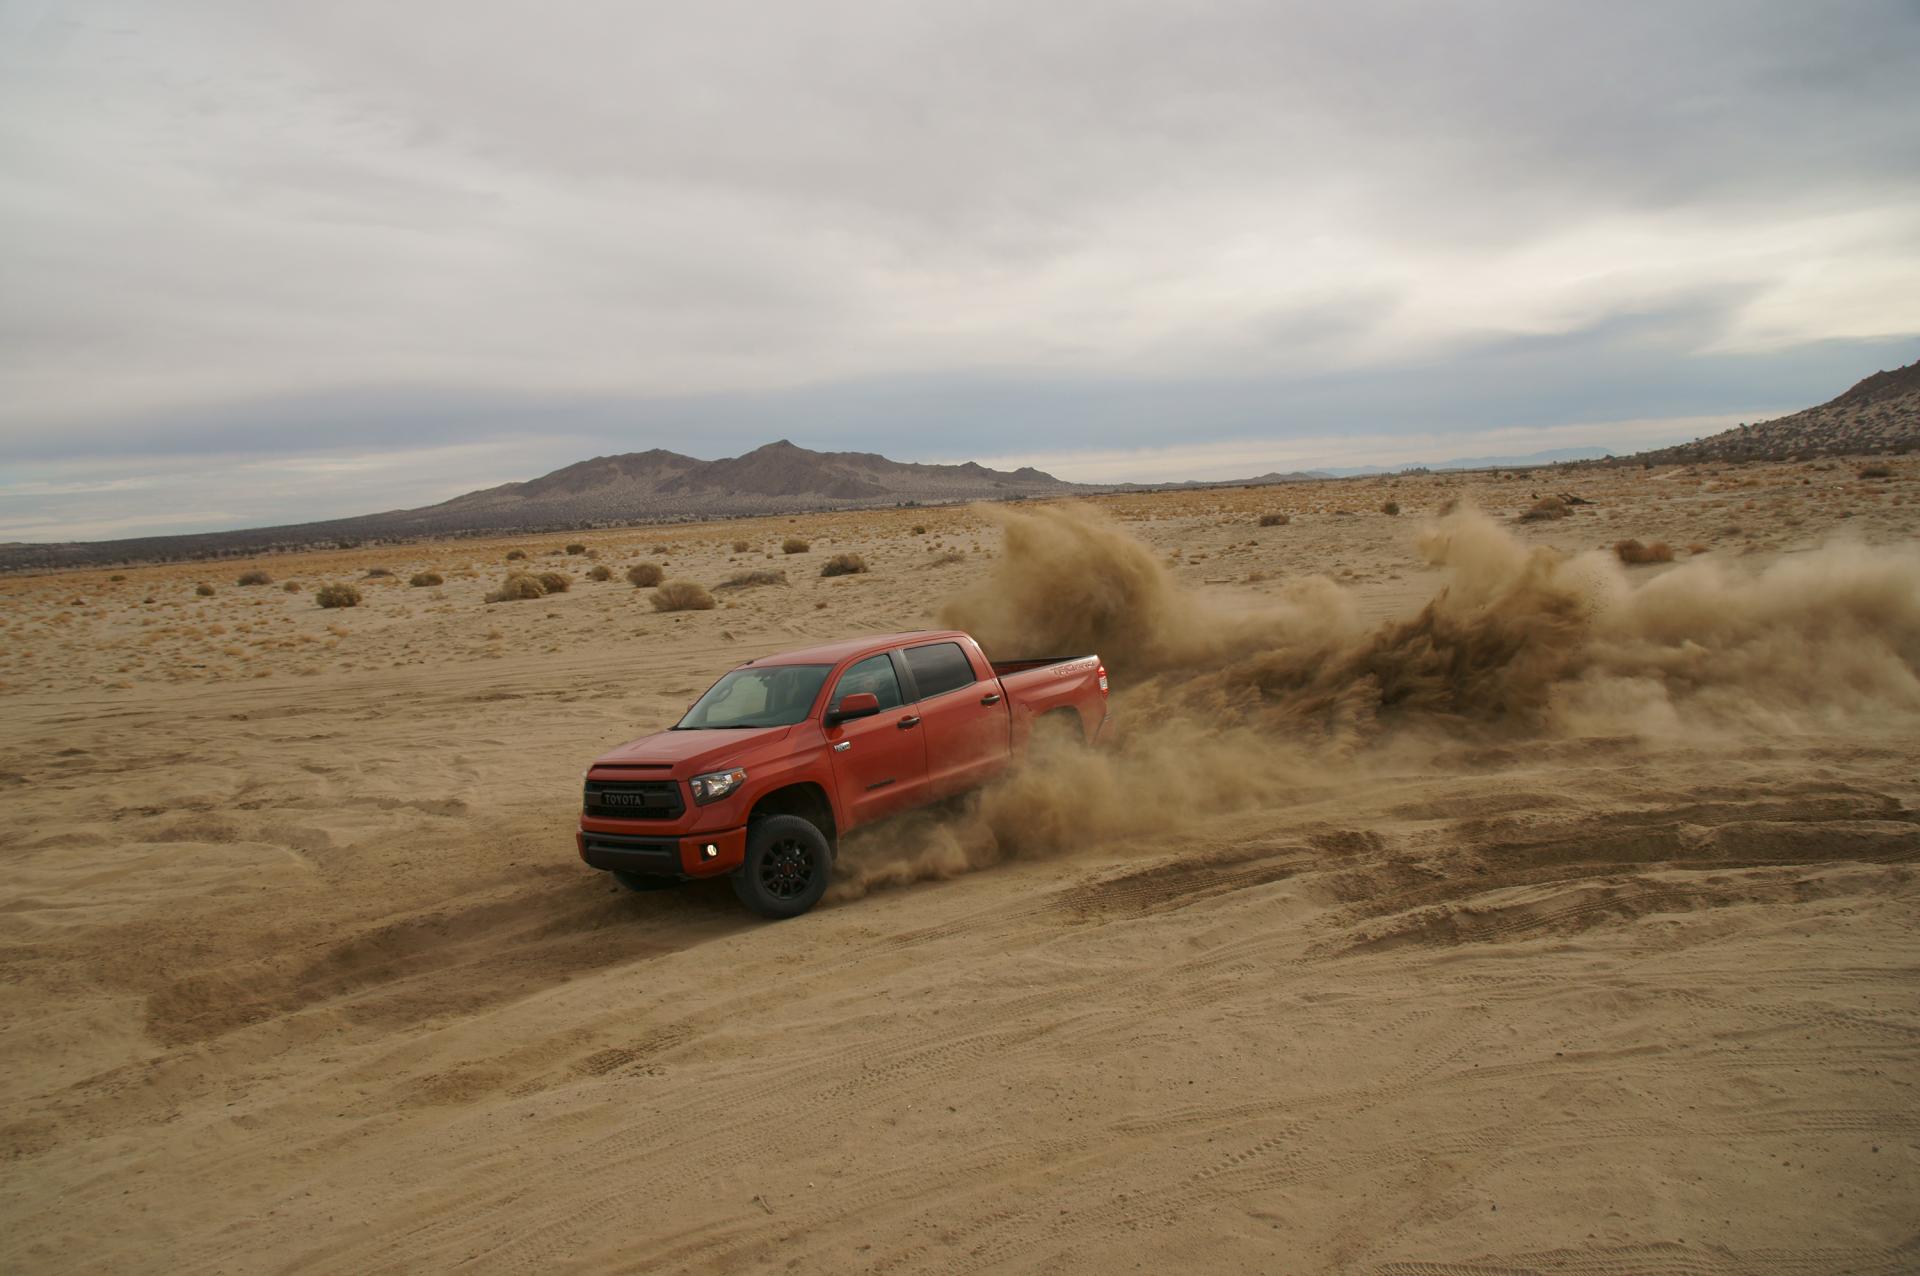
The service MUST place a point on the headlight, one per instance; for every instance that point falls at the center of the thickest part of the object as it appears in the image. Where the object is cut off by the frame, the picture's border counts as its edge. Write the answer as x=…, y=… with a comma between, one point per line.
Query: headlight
x=711, y=788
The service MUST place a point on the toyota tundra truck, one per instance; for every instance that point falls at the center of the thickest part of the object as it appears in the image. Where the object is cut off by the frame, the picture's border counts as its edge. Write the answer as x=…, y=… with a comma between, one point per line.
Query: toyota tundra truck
x=786, y=755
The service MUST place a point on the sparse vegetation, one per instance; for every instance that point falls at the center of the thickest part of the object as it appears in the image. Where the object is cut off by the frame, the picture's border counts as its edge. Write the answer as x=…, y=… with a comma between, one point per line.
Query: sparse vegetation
x=602, y=572
x=292, y=587
x=682, y=595
x=919, y=529
x=645, y=575
x=337, y=595
x=1876, y=471
x=753, y=579
x=1633, y=552
x=203, y=589
x=254, y=577
x=515, y=555
x=1391, y=507
x=423, y=580
x=741, y=547
x=556, y=582
x=794, y=545
x=1275, y=520
x=516, y=587
x=844, y=565
x=576, y=548
x=1546, y=509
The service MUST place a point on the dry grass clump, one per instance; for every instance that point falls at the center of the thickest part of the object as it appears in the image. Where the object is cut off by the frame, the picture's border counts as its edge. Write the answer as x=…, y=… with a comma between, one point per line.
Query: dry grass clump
x=602, y=572
x=292, y=587
x=752, y=579
x=1545, y=509
x=948, y=559
x=844, y=565
x=518, y=586
x=1275, y=520
x=515, y=555
x=741, y=547
x=576, y=548
x=1876, y=471
x=682, y=595
x=556, y=582
x=254, y=577
x=375, y=573
x=1633, y=552
x=1391, y=507
x=203, y=589
x=337, y=595
x=421, y=580
x=794, y=545
x=919, y=529
x=646, y=575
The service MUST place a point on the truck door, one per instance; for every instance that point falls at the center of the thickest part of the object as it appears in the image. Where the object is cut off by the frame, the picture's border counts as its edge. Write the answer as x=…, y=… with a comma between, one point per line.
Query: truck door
x=963, y=716
x=879, y=763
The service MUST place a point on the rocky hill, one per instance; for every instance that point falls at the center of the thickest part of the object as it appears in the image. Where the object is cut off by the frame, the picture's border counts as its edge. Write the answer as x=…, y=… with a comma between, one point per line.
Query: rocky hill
x=1879, y=414
x=635, y=487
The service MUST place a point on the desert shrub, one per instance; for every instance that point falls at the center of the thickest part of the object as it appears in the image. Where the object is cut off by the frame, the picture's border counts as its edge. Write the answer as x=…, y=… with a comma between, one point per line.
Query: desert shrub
x=1545, y=509
x=741, y=547
x=254, y=577
x=116, y=577
x=1876, y=471
x=1275, y=520
x=844, y=565
x=752, y=579
x=556, y=582
x=794, y=545
x=919, y=529
x=375, y=573
x=337, y=595
x=422, y=580
x=682, y=595
x=658, y=549
x=644, y=575
x=576, y=548
x=602, y=572
x=1632, y=551
x=1391, y=507
x=203, y=589
x=518, y=586
x=292, y=587
x=947, y=559
x=515, y=555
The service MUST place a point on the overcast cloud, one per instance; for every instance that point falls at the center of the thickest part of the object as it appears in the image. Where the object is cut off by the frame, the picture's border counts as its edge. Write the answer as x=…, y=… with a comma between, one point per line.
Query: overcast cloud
x=264, y=261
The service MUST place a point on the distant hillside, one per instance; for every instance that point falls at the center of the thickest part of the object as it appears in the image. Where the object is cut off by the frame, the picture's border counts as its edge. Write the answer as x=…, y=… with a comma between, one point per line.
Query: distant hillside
x=635, y=487
x=1879, y=414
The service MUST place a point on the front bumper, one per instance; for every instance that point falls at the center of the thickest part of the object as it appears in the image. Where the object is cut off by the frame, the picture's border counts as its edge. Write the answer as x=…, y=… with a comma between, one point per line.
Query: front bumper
x=674, y=855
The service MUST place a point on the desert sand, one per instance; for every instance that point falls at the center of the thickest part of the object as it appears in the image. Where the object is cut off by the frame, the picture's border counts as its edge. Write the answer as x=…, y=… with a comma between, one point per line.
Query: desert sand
x=1457, y=900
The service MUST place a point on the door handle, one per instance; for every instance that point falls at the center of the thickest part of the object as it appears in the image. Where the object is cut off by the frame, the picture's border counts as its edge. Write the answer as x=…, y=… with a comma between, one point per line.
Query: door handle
x=909, y=722
x=843, y=746
x=992, y=699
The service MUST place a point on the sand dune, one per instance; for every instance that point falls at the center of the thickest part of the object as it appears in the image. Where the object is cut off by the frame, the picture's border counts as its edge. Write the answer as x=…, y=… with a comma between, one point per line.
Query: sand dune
x=1458, y=901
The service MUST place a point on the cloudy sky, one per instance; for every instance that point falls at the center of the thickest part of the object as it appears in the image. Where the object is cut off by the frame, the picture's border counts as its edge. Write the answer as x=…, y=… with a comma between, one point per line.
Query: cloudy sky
x=263, y=261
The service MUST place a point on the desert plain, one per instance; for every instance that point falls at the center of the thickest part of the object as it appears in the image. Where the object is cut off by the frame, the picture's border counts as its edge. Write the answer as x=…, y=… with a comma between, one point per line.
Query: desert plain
x=1454, y=899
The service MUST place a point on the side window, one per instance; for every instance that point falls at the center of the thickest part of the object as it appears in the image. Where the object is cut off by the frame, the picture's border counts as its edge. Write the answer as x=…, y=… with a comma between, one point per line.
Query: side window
x=874, y=674
x=939, y=668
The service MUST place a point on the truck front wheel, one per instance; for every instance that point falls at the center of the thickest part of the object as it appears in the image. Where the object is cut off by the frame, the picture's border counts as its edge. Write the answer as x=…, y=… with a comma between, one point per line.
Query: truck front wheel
x=786, y=869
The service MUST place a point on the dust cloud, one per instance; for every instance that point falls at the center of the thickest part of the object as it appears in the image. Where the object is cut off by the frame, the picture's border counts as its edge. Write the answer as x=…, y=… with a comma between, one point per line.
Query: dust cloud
x=1232, y=708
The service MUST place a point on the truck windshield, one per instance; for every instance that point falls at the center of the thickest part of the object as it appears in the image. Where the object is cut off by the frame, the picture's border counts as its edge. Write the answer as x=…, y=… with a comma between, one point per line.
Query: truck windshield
x=770, y=696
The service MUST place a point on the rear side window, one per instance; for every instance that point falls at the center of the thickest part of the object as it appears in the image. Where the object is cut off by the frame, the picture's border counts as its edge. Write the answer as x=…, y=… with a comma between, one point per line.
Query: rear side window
x=874, y=674
x=939, y=668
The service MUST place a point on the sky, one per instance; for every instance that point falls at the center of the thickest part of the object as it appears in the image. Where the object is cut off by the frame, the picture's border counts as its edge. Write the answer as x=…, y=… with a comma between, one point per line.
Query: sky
x=265, y=262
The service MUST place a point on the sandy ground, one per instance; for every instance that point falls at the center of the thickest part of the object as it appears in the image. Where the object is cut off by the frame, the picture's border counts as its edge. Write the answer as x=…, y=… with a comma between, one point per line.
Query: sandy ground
x=302, y=974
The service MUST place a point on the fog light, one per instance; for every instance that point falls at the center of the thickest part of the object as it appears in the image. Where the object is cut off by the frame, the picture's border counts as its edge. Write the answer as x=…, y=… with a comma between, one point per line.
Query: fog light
x=708, y=851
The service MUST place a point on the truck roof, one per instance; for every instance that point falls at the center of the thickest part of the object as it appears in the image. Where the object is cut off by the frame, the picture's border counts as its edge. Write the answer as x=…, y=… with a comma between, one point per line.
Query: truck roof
x=832, y=653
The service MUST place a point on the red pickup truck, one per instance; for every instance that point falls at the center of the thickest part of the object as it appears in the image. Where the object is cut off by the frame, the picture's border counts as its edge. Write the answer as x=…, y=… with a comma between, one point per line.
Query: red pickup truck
x=787, y=754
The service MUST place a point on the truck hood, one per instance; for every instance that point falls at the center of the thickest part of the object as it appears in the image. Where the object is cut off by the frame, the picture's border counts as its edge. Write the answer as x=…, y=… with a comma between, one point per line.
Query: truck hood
x=690, y=752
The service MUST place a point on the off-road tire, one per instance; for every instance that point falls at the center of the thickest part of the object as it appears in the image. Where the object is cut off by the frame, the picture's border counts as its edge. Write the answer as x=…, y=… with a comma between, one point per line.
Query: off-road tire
x=787, y=866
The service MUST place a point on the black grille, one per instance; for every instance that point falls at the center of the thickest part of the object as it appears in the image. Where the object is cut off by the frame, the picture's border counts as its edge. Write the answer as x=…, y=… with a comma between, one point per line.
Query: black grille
x=634, y=799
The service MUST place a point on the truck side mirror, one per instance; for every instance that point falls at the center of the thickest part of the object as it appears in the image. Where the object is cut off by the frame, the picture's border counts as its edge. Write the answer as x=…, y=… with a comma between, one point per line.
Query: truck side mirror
x=860, y=704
